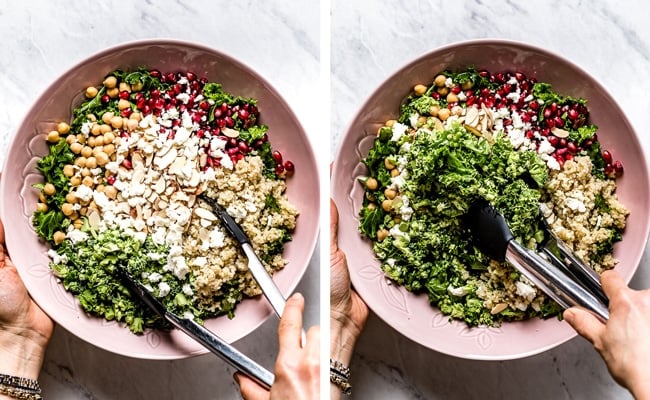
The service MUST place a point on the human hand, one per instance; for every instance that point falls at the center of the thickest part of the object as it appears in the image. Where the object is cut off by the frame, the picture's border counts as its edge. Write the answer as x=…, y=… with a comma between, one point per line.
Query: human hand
x=623, y=342
x=297, y=368
x=348, y=313
x=25, y=329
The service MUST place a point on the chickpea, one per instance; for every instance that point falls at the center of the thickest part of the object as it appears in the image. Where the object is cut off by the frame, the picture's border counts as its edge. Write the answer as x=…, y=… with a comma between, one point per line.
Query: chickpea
x=80, y=162
x=371, y=206
x=87, y=151
x=75, y=181
x=113, y=93
x=100, y=188
x=102, y=158
x=421, y=121
x=91, y=117
x=91, y=163
x=63, y=128
x=71, y=197
x=371, y=183
x=390, y=193
x=123, y=104
x=124, y=87
x=452, y=97
x=42, y=198
x=443, y=91
x=382, y=234
x=136, y=116
x=68, y=170
x=388, y=164
x=96, y=129
x=419, y=89
x=110, y=192
x=53, y=137
x=41, y=207
x=78, y=223
x=91, y=92
x=98, y=149
x=109, y=137
x=81, y=138
x=457, y=110
x=110, y=82
x=433, y=110
x=58, y=237
x=109, y=149
x=444, y=113
x=83, y=211
x=370, y=197
x=71, y=139
x=467, y=85
x=116, y=122
x=137, y=86
x=106, y=128
x=76, y=147
x=88, y=181
x=131, y=125
x=387, y=205
x=92, y=142
x=390, y=123
x=85, y=171
x=440, y=80
x=107, y=116
x=49, y=189
x=394, y=172
x=67, y=209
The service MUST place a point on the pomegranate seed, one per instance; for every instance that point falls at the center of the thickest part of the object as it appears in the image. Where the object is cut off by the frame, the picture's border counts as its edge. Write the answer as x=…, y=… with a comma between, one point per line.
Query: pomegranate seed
x=470, y=100
x=124, y=95
x=609, y=169
x=155, y=73
x=127, y=163
x=553, y=140
x=170, y=78
x=568, y=156
x=191, y=76
x=105, y=99
x=177, y=88
x=548, y=113
x=126, y=113
x=534, y=105
x=559, y=122
x=243, y=114
x=204, y=105
x=618, y=168
x=154, y=94
x=200, y=133
x=141, y=103
x=146, y=110
x=279, y=169
x=229, y=122
x=519, y=76
x=239, y=156
x=456, y=89
x=607, y=156
x=277, y=156
x=111, y=179
x=243, y=147
x=289, y=167
x=550, y=123
x=563, y=142
x=232, y=142
x=530, y=134
x=484, y=73
x=572, y=147
x=258, y=143
x=561, y=151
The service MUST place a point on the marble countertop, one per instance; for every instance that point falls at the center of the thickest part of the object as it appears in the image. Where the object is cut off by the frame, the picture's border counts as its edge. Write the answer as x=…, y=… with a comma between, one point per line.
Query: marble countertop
x=371, y=40
x=42, y=39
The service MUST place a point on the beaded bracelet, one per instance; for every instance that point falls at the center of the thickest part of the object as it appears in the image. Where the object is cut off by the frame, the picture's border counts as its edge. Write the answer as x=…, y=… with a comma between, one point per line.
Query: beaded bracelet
x=340, y=376
x=20, y=388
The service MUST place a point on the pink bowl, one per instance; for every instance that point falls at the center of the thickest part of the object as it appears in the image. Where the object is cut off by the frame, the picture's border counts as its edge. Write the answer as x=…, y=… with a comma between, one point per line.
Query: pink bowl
x=18, y=199
x=412, y=315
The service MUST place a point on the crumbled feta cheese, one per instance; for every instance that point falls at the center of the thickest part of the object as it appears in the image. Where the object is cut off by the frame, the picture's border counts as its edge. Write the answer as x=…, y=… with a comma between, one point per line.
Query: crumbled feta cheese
x=398, y=131
x=163, y=289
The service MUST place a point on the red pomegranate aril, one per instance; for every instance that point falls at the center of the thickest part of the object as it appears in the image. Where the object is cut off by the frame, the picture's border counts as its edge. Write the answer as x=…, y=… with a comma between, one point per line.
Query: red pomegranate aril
x=456, y=89
x=572, y=147
x=105, y=99
x=126, y=113
x=550, y=123
x=609, y=169
x=530, y=134
x=470, y=100
x=155, y=73
x=191, y=76
x=204, y=105
x=110, y=179
x=239, y=156
x=568, y=156
x=229, y=122
x=607, y=156
x=563, y=142
x=170, y=77
x=289, y=167
x=519, y=76
x=154, y=94
x=553, y=140
x=279, y=169
x=277, y=156
x=435, y=95
x=124, y=95
x=141, y=103
x=127, y=163
x=548, y=113
x=554, y=106
x=243, y=147
x=534, y=105
x=200, y=133
x=232, y=151
x=559, y=122
x=178, y=88
x=258, y=143
x=243, y=114
x=561, y=151
x=618, y=168
x=232, y=142
x=484, y=73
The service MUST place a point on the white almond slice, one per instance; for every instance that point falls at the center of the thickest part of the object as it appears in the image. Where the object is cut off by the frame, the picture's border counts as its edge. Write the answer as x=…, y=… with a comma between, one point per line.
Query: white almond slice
x=94, y=219
x=205, y=214
x=166, y=160
x=231, y=133
x=159, y=186
x=561, y=133
x=498, y=308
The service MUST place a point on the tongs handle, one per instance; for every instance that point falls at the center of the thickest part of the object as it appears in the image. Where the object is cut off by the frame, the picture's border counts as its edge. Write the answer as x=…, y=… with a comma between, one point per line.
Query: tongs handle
x=225, y=351
x=554, y=282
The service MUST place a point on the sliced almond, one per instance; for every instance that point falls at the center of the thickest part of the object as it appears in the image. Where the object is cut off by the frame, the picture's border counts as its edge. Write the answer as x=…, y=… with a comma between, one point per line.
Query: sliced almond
x=204, y=214
x=498, y=308
x=561, y=133
x=473, y=130
x=231, y=133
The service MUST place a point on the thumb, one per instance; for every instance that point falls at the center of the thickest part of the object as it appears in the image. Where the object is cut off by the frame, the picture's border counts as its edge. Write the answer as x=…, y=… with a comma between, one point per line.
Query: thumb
x=249, y=389
x=585, y=323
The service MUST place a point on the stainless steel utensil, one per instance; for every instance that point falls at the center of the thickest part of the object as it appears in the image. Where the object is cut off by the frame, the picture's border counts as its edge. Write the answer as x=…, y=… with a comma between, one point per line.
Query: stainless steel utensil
x=493, y=237
x=205, y=337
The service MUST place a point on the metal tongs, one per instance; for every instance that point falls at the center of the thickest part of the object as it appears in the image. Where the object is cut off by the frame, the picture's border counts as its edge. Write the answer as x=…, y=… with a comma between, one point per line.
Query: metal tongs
x=563, y=277
x=260, y=274
x=208, y=339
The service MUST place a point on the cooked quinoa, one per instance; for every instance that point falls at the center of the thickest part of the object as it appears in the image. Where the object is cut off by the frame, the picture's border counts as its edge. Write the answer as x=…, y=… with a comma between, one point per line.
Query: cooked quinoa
x=214, y=257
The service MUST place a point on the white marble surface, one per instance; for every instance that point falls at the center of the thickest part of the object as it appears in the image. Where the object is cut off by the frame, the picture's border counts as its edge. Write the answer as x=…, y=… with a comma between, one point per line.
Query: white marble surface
x=371, y=40
x=42, y=39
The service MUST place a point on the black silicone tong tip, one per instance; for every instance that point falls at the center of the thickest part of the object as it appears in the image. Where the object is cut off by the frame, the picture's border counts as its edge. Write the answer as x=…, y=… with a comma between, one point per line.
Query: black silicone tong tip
x=489, y=229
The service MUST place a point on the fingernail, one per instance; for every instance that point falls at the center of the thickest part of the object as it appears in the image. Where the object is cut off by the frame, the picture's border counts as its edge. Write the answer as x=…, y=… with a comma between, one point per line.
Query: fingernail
x=297, y=296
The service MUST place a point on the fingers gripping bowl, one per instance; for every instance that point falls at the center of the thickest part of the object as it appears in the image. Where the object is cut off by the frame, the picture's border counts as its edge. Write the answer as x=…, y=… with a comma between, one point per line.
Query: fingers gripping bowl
x=19, y=197
x=412, y=314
